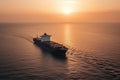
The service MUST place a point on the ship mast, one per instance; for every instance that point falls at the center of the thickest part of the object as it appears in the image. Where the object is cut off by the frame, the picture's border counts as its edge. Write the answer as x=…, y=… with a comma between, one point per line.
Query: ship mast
x=37, y=35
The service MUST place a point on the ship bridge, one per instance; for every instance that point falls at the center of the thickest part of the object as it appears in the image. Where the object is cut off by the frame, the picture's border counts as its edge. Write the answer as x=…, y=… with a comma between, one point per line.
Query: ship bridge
x=45, y=37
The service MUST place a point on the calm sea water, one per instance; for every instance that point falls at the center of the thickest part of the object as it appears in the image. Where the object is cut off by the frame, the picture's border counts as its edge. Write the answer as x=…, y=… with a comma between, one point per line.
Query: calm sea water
x=94, y=52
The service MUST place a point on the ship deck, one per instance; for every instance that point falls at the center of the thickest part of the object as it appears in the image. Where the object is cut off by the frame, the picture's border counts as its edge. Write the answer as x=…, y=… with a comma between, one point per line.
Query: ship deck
x=54, y=44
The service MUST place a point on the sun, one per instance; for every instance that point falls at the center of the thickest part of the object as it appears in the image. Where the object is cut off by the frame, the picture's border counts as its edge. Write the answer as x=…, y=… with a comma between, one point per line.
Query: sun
x=67, y=10
x=68, y=7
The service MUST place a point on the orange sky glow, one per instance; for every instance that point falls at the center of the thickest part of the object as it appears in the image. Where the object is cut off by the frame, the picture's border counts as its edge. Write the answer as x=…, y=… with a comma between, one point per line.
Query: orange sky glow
x=59, y=11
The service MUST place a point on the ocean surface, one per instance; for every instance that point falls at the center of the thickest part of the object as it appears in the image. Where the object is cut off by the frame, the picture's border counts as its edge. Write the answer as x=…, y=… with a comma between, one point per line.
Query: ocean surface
x=94, y=52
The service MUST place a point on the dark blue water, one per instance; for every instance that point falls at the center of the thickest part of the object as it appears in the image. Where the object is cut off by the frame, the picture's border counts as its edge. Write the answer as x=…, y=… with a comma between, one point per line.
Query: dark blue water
x=94, y=52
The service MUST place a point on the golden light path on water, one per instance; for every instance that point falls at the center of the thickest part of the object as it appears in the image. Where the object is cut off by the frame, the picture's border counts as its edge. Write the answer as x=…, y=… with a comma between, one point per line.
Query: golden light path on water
x=67, y=34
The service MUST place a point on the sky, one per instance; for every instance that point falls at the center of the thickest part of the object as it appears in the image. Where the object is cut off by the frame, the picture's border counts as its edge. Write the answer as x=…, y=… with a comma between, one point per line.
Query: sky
x=59, y=10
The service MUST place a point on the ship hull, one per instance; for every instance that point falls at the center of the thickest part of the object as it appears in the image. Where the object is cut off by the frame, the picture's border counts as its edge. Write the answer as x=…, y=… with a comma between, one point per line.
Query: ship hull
x=53, y=51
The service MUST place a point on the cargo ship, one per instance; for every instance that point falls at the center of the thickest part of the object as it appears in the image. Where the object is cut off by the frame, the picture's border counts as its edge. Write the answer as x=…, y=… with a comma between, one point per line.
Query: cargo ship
x=46, y=44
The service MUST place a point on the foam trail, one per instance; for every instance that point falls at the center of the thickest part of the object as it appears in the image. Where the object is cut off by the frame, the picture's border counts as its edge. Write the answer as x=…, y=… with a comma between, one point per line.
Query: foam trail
x=24, y=37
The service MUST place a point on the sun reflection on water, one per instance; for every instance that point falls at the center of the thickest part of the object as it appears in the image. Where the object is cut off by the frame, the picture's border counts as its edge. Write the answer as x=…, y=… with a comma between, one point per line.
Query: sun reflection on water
x=67, y=34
